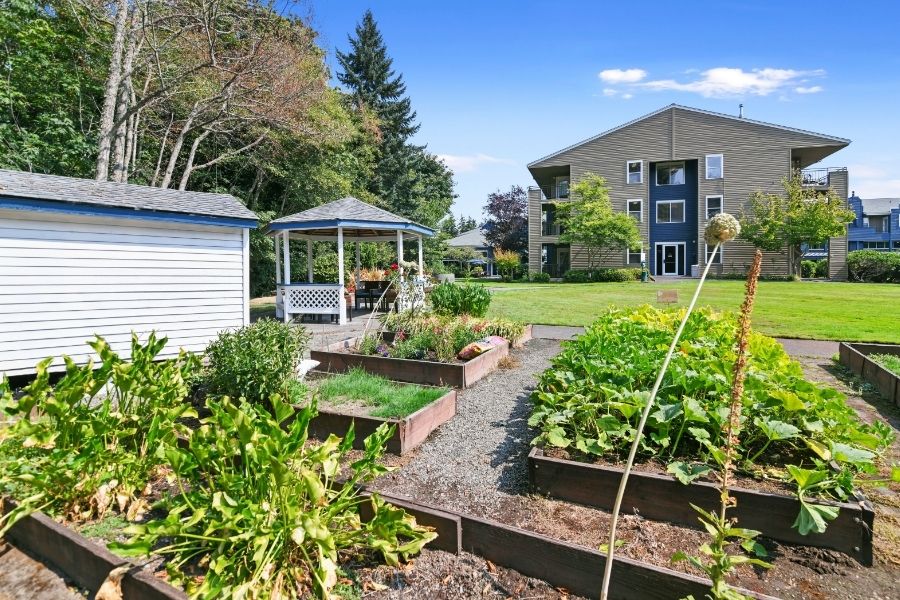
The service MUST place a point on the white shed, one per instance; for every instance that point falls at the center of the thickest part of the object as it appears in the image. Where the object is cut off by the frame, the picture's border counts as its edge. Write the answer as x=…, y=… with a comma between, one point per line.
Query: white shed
x=81, y=257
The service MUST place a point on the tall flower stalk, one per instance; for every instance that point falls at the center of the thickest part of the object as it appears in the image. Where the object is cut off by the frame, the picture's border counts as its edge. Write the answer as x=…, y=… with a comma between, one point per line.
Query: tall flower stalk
x=720, y=229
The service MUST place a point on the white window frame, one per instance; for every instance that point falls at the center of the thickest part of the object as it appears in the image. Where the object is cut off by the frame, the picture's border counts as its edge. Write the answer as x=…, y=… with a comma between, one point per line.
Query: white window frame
x=640, y=253
x=721, y=204
x=718, y=260
x=683, y=212
x=641, y=210
x=628, y=164
x=721, y=167
x=672, y=162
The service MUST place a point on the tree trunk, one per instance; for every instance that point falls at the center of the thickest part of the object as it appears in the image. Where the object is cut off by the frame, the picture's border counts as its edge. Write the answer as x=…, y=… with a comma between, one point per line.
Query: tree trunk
x=111, y=92
x=189, y=165
x=162, y=150
x=176, y=147
x=126, y=93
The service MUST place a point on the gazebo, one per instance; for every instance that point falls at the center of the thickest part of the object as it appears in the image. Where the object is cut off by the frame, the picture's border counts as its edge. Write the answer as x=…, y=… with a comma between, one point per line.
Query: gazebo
x=345, y=220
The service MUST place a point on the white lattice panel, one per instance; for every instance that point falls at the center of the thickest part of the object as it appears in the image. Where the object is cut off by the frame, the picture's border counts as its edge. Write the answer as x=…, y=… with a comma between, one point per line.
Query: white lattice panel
x=313, y=299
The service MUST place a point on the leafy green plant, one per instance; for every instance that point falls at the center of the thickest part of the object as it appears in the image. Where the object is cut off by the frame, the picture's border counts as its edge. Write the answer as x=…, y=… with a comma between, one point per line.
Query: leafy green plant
x=539, y=277
x=368, y=344
x=453, y=299
x=260, y=507
x=91, y=442
x=590, y=400
x=255, y=361
x=441, y=337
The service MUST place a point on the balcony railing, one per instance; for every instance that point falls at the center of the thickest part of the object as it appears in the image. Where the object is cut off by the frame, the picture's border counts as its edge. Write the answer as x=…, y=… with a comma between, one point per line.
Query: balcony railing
x=551, y=192
x=818, y=177
x=554, y=270
x=550, y=229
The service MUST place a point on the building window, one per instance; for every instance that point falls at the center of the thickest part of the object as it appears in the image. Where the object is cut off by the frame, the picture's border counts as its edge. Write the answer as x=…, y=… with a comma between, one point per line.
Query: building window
x=636, y=210
x=635, y=171
x=715, y=166
x=562, y=187
x=633, y=255
x=670, y=211
x=875, y=245
x=670, y=173
x=879, y=224
x=718, y=258
x=549, y=224
x=713, y=206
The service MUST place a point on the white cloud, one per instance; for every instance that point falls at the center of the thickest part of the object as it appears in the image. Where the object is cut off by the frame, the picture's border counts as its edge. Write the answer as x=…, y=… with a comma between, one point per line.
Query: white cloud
x=622, y=75
x=875, y=188
x=464, y=164
x=611, y=93
x=722, y=82
x=627, y=96
x=815, y=89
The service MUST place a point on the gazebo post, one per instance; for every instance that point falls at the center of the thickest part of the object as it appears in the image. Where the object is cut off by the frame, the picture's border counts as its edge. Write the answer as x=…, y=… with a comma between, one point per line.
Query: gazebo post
x=277, y=261
x=421, y=270
x=309, y=261
x=356, y=276
x=342, y=317
x=285, y=242
x=400, y=251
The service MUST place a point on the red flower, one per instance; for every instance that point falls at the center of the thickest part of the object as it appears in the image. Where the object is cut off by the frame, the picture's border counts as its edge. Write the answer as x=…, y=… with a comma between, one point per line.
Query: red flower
x=393, y=266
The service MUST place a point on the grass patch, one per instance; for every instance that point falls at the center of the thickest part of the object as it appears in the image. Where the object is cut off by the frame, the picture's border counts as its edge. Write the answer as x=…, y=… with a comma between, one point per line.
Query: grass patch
x=888, y=361
x=109, y=528
x=795, y=309
x=391, y=400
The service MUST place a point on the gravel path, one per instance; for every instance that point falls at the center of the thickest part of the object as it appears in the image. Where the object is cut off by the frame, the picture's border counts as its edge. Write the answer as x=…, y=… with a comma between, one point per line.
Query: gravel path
x=478, y=460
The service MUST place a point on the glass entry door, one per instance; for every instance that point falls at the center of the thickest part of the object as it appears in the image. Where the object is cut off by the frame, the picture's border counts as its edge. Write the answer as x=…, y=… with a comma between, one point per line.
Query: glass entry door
x=670, y=258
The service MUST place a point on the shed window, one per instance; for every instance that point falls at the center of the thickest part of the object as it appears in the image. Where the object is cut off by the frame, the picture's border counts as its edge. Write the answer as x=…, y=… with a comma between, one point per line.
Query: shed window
x=670, y=211
x=634, y=255
x=715, y=168
x=670, y=173
x=635, y=171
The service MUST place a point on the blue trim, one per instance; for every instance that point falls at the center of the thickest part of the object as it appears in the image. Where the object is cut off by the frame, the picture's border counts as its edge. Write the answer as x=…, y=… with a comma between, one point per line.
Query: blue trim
x=303, y=225
x=93, y=210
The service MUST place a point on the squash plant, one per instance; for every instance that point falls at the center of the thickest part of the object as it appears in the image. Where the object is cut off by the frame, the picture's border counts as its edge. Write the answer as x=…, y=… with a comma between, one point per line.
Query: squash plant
x=590, y=400
x=91, y=442
x=260, y=511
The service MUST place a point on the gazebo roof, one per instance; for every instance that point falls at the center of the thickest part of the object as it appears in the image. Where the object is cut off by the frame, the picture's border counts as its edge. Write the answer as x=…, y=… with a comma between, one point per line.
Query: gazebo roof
x=349, y=213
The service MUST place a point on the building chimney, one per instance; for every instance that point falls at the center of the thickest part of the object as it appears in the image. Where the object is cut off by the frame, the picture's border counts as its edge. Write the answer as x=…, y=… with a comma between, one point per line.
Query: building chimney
x=741, y=110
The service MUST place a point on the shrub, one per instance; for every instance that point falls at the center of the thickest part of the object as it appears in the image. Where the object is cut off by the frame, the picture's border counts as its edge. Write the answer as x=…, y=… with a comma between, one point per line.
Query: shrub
x=601, y=275
x=441, y=337
x=539, y=277
x=255, y=361
x=452, y=299
x=822, y=268
x=507, y=262
x=477, y=272
x=808, y=268
x=874, y=266
x=591, y=398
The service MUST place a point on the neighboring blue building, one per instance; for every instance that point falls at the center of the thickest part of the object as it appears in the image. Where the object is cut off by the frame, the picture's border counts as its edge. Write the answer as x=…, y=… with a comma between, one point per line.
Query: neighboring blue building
x=877, y=224
x=474, y=239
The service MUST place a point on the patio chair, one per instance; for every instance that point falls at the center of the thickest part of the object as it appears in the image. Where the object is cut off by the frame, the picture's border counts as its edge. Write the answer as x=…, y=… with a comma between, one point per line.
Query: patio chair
x=364, y=293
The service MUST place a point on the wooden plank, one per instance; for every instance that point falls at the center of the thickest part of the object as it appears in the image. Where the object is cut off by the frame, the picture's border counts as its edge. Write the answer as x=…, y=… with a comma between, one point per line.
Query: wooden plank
x=577, y=569
x=419, y=425
x=663, y=498
x=855, y=357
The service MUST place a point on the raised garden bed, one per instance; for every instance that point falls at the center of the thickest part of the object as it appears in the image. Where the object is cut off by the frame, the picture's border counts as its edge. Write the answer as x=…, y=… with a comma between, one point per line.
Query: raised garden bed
x=337, y=358
x=410, y=431
x=856, y=358
x=662, y=497
x=575, y=568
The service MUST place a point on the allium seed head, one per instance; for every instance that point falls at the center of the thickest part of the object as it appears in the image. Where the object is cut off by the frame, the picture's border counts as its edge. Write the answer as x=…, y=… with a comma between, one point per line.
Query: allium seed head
x=721, y=228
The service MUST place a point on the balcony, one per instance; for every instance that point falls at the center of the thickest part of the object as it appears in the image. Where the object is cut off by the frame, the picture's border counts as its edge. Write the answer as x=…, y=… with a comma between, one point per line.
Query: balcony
x=819, y=178
x=556, y=191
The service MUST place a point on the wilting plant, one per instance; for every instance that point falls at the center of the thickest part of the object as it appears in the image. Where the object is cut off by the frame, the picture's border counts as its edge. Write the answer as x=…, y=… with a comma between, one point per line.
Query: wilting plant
x=260, y=512
x=92, y=441
x=717, y=562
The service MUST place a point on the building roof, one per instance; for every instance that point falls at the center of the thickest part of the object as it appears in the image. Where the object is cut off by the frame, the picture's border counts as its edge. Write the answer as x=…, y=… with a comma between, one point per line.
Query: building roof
x=879, y=206
x=827, y=138
x=474, y=238
x=74, y=192
x=347, y=212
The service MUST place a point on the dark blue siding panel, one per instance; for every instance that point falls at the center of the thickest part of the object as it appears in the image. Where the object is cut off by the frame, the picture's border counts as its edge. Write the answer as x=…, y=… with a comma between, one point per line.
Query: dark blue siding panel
x=675, y=232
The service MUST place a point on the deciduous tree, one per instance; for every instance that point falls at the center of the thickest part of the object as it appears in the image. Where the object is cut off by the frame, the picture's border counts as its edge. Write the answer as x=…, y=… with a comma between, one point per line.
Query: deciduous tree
x=506, y=225
x=589, y=222
x=802, y=215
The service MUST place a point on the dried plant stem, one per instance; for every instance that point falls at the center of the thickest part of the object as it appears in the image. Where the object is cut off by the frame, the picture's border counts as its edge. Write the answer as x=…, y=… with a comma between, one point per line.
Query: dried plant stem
x=607, y=572
x=737, y=387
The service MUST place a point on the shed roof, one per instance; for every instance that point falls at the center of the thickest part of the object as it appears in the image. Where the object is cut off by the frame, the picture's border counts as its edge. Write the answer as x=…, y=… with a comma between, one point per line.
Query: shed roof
x=473, y=237
x=350, y=213
x=76, y=192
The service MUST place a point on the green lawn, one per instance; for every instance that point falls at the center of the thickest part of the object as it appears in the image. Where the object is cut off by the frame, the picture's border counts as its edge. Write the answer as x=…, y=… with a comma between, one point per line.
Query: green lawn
x=799, y=309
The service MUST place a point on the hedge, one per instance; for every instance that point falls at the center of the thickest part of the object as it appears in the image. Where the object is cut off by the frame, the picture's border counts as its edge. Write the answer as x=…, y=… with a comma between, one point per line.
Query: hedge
x=875, y=266
x=603, y=275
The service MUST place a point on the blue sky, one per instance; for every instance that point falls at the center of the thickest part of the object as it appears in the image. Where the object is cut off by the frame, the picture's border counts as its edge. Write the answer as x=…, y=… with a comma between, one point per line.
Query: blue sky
x=499, y=84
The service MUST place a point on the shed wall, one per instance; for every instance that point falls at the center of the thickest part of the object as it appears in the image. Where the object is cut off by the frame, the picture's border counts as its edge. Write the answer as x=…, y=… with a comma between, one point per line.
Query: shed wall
x=64, y=278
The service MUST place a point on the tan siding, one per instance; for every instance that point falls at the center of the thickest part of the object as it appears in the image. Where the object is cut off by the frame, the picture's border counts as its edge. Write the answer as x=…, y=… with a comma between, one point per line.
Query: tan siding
x=755, y=158
x=837, y=246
